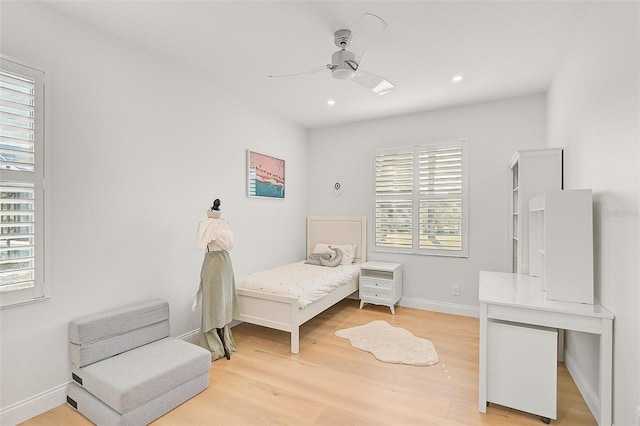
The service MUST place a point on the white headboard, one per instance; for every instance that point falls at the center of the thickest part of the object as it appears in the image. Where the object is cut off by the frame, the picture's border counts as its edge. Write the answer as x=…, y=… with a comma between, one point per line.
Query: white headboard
x=338, y=230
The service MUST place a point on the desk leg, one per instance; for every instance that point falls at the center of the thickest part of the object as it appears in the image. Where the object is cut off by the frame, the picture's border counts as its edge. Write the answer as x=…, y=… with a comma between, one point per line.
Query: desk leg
x=482, y=385
x=561, y=345
x=606, y=371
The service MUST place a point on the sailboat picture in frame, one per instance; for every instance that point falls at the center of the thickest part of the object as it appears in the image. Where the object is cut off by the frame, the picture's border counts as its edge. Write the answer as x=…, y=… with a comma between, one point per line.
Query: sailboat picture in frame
x=265, y=175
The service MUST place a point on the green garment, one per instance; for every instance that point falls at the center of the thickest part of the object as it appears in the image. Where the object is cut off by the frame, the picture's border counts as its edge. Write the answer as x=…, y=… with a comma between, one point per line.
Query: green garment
x=219, y=302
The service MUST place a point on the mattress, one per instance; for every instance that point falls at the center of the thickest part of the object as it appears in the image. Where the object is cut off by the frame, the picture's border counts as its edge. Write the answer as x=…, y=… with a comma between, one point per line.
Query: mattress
x=307, y=282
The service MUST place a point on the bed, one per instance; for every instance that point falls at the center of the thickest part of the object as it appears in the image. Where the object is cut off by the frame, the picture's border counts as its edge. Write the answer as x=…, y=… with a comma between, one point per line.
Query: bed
x=284, y=311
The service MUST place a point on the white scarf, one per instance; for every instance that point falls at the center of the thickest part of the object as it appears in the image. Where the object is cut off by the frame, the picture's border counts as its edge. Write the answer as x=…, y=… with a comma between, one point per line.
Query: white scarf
x=215, y=230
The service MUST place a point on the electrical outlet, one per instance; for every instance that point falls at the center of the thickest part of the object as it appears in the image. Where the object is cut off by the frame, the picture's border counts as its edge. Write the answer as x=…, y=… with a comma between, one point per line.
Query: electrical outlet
x=456, y=290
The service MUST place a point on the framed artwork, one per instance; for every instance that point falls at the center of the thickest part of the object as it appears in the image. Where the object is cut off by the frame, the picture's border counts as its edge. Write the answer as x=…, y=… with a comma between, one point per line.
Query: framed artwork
x=265, y=176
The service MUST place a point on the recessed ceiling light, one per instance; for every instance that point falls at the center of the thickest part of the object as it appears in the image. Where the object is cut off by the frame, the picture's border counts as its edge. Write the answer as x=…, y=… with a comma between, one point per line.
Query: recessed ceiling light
x=457, y=79
x=331, y=102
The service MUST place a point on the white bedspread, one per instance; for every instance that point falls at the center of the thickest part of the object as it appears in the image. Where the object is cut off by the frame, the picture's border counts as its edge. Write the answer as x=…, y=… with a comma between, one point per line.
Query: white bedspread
x=308, y=282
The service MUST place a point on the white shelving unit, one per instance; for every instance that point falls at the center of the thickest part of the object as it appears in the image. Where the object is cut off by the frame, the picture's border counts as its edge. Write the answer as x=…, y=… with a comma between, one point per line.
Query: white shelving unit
x=561, y=244
x=531, y=172
x=380, y=284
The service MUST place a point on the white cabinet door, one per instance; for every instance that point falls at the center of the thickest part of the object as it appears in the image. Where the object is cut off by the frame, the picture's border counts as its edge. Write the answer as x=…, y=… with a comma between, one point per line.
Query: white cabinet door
x=522, y=367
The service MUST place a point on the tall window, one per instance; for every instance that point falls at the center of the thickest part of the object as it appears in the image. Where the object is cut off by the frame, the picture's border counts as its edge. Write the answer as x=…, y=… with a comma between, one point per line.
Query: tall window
x=21, y=184
x=420, y=199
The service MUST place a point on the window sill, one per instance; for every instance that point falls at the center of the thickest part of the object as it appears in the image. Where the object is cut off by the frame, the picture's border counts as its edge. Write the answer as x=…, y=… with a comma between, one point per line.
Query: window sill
x=7, y=304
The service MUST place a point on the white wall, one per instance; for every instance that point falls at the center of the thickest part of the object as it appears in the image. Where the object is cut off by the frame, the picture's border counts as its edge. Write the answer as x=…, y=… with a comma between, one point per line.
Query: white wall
x=494, y=132
x=140, y=148
x=594, y=112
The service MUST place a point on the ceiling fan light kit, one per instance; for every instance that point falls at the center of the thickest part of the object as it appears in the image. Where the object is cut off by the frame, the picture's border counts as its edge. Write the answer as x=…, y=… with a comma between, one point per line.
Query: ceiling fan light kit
x=382, y=88
x=345, y=64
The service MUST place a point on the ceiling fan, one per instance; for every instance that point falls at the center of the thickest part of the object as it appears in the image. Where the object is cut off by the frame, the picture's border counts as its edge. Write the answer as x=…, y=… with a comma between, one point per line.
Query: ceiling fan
x=345, y=64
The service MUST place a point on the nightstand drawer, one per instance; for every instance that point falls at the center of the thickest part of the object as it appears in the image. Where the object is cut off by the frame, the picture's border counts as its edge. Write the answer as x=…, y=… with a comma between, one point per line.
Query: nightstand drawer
x=376, y=283
x=376, y=295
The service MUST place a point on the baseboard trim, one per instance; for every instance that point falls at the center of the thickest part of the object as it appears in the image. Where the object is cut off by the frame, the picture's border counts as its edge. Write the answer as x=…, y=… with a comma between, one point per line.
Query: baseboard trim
x=443, y=307
x=34, y=406
x=189, y=336
x=589, y=395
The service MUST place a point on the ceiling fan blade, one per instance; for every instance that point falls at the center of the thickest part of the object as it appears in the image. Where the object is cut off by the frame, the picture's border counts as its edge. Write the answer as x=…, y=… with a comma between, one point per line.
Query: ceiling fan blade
x=368, y=28
x=377, y=84
x=313, y=71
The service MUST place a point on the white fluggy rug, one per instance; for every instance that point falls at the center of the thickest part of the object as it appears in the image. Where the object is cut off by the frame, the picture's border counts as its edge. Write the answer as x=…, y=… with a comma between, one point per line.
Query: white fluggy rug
x=391, y=344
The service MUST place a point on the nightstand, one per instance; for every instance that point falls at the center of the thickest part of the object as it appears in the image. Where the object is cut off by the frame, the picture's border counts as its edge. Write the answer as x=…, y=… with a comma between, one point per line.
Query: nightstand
x=380, y=284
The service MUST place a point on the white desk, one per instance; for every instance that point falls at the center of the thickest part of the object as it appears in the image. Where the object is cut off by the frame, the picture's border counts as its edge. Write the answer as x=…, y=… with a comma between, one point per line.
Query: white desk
x=517, y=298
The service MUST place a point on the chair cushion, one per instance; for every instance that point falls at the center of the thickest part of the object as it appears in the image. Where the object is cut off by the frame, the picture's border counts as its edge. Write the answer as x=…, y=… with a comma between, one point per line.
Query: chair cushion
x=99, y=336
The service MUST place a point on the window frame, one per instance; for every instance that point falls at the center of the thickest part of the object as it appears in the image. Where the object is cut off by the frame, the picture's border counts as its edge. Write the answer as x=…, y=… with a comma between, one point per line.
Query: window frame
x=41, y=290
x=416, y=198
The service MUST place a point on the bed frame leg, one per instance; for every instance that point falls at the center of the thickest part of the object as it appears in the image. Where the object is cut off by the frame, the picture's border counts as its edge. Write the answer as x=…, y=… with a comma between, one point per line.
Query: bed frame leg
x=295, y=340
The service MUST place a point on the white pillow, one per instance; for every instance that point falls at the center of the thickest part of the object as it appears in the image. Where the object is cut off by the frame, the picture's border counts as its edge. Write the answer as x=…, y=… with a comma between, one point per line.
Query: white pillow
x=348, y=251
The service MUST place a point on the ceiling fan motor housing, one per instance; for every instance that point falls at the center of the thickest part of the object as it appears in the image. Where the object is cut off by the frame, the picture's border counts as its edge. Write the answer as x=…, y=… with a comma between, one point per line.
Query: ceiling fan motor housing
x=342, y=70
x=342, y=38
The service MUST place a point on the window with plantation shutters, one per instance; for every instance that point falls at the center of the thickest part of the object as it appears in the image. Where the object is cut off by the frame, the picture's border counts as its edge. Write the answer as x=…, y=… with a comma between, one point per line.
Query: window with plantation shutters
x=393, y=195
x=21, y=184
x=420, y=200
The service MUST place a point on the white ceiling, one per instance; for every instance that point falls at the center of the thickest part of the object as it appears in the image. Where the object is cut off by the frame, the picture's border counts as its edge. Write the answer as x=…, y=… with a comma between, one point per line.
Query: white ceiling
x=502, y=48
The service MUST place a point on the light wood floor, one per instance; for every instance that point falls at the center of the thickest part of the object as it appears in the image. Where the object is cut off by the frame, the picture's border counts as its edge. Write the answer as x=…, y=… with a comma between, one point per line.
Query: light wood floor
x=331, y=383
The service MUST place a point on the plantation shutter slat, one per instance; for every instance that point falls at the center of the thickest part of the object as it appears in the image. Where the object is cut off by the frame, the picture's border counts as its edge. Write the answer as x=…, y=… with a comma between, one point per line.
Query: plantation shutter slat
x=393, y=219
x=17, y=236
x=440, y=171
x=394, y=174
x=441, y=224
x=17, y=122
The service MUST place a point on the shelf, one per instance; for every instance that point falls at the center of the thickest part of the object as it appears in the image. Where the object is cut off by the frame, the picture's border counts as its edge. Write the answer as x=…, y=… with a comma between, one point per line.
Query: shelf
x=531, y=172
x=382, y=275
x=561, y=244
